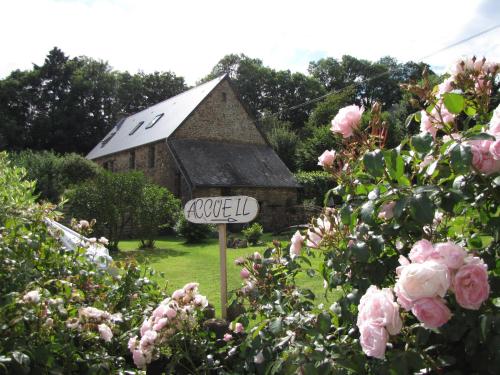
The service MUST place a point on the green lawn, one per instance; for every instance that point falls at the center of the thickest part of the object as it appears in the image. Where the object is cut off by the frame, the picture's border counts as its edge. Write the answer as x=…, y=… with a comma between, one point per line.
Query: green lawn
x=182, y=263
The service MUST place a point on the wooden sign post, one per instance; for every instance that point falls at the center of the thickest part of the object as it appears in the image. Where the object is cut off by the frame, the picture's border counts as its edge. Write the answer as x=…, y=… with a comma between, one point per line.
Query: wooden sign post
x=222, y=211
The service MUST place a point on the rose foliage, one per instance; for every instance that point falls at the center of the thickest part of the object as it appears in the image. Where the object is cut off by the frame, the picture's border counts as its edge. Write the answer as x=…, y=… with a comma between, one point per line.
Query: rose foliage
x=410, y=248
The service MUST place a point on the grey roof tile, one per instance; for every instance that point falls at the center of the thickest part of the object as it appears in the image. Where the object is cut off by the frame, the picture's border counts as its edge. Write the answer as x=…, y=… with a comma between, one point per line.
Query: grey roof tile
x=220, y=164
x=175, y=110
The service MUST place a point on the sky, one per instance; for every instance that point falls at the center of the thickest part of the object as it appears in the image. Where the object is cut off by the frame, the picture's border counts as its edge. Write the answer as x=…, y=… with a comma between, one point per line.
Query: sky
x=189, y=37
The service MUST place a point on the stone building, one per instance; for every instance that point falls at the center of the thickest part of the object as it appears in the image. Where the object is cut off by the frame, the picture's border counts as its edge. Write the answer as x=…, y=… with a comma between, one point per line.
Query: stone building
x=203, y=142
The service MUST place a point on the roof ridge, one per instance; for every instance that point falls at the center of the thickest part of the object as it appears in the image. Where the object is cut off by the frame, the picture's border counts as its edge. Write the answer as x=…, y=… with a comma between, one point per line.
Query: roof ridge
x=220, y=78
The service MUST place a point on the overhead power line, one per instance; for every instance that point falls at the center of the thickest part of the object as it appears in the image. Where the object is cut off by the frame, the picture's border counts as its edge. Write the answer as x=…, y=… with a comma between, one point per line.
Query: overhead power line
x=314, y=100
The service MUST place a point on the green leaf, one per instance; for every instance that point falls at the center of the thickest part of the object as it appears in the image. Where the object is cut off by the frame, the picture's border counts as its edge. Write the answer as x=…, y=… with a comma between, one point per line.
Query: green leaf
x=394, y=163
x=324, y=322
x=461, y=158
x=374, y=163
x=399, y=207
x=409, y=120
x=469, y=109
x=496, y=181
x=422, y=143
x=422, y=209
x=454, y=102
x=367, y=212
x=485, y=327
x=360, y=251
x=275, y=326
x=482, y=137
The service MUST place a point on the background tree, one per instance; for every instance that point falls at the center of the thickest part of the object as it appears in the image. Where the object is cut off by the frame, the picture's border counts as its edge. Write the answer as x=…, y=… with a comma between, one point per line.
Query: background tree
x=69, y=104
x=159, y=209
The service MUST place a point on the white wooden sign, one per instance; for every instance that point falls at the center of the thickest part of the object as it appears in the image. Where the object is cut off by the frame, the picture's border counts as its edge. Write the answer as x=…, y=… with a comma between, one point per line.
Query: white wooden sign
x=221, y=210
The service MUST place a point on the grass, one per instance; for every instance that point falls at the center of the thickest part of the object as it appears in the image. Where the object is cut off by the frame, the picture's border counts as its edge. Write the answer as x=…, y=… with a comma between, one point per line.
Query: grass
x=182, y=263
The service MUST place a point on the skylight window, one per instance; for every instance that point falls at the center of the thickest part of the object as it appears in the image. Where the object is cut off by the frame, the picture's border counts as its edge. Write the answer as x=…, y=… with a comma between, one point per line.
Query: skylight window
x=107, y=139
x=154, y=121
x=136, y=127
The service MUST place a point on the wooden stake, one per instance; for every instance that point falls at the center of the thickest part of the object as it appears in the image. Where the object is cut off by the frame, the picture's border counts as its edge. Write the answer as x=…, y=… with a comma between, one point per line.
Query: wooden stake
x=223, y=271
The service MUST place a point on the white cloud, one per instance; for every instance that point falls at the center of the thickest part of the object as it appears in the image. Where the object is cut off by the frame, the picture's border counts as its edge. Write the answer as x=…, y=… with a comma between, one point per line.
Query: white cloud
x=189, y=37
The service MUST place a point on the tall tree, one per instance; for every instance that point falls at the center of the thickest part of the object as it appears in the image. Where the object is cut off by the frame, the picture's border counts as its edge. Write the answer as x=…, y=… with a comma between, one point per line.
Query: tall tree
x=69, y=104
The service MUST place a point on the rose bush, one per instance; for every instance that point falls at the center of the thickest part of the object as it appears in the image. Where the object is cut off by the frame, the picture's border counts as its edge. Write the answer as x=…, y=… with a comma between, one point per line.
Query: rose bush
x=420, y=221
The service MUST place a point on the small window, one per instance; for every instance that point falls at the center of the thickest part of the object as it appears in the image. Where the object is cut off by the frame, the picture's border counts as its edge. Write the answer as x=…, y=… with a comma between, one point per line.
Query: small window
x=120, y=123
x=109, y=165
x=136, y=127
x=151, y=156
x=131, y=160
x=154, y=121
x=107, y=139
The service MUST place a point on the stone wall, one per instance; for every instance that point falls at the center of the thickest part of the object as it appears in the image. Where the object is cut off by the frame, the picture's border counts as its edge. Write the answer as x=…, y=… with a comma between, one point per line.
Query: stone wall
x=164, y=172
x=220, y=117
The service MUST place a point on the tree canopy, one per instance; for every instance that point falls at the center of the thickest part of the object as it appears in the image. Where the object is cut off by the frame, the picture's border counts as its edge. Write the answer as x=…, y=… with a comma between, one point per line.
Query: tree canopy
x=69, y=104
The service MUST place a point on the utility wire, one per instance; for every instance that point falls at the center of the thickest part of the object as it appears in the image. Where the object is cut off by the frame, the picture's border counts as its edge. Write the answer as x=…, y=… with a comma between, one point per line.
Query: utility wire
x=352, y=85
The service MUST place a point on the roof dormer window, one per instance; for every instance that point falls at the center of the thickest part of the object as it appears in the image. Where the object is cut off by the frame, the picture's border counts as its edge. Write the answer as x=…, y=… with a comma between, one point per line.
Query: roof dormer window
x=154, y=121
x=139, y=124
x=107, y=139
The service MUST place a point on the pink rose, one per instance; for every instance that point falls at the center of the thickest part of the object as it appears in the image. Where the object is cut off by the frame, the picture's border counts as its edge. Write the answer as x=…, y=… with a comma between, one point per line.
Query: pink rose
x=160, y=324
x=313, y=238
x=378, y=307
x=228, y=337
x=237, y=327
x=450, y=254
x=171, y=313
x=178, y=294
x=347, y=120
x=146, y=326
x=373, y=339
x=386, y=211
x=296, y=244
x=427, y=125
x=494, y=128
x=160, y=311
x=139, y=358
x=495, y=150
x=327, y=158
x=420, y=280
x=32, y=297
x=105, y=332
x=191, y=287
x=433, y=312
x=132, y=343
x=257, y=256
x=445, y=86
x=482, y=158
x=244, y=273
x=403, y=301
x=421, y=251
x=471, y=285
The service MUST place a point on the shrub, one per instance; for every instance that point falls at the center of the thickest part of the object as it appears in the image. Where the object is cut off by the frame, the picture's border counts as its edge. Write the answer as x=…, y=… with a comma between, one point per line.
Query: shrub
x=112, y=199
x=60, y=313
x=253, y=233
x=158, y=209
x=315, y=185
x=54, y=173
x=193, y=233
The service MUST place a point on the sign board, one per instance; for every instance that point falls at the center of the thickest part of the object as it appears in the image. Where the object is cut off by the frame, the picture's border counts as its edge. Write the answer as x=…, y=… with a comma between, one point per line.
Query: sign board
x=221, y=210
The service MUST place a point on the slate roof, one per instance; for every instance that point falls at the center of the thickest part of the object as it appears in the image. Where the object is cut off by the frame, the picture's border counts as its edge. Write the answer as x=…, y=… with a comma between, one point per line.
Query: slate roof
x=220, y=164
x=175, y=110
